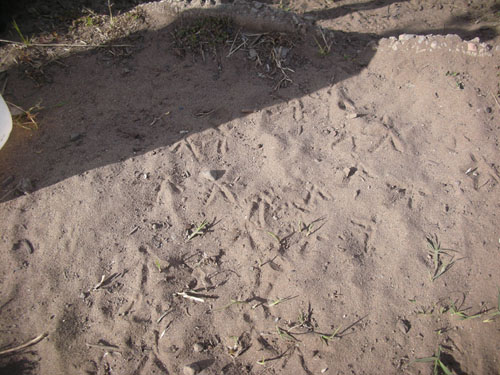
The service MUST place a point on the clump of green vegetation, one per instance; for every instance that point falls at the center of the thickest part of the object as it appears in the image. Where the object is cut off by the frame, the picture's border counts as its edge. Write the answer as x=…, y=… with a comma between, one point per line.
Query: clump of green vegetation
x=496, y=312
x=203, y=34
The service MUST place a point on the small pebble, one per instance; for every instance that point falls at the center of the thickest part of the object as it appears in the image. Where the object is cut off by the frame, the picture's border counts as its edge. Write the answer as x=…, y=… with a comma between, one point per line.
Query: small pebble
x=403, y=325
x=210, y=175
x=191, y=369
x=156, y=226
x=197, y=348
x=252, y=54
x=471, y=47
x=75, y=137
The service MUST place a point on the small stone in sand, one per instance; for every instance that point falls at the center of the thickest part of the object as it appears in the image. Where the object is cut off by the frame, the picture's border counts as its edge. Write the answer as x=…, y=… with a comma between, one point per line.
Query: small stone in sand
x=252, y=54
x=404, y=325
x=197, y=347
x=210, y=175
x=471, y=47
x=191, y=369
x=75, y=137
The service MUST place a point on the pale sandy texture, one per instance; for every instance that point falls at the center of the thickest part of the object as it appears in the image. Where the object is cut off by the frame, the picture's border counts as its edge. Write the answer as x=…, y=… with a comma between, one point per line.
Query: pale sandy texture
x=378, y=148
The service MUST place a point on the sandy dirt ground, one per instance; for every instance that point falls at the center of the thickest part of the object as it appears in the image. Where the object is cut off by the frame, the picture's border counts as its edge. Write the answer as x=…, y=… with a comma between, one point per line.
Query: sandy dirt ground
x=306, y=189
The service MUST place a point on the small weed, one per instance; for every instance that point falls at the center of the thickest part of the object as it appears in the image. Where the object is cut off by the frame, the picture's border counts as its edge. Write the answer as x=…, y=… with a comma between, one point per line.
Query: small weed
x=25, y=41
x=458, y=81
x=284, y=334
x=26, y=119
x=303, y=319
x=438, y=365
x=284, y=6
x=325, y=46
x=461, y=313
x=437, y=253
x=158, y=265
x=236, y=349
x=495, y=313
x=275, y=236
x=438, y=308
x=328, y=338
x=203, y=34
x=309, y=229
x=89, y=21
x=198, y=230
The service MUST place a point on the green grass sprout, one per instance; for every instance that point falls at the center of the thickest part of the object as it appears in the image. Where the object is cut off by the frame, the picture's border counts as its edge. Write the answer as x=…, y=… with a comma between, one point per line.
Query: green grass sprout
x=26, y=42
x=328, y=338
x=437, y=253
x=199, y=230
x=436, y=360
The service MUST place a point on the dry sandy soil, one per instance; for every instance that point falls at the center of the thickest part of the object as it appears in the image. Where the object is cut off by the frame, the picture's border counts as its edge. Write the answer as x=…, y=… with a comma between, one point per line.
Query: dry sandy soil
x=348, y=184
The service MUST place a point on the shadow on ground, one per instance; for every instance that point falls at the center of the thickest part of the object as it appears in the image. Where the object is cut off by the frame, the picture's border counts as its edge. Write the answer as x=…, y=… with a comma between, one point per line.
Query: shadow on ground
x=109, y=105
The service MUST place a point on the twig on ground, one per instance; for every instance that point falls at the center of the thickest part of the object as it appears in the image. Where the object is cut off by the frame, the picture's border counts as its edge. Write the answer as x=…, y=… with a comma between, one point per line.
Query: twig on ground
x=66, y=45
x=190, y=295
x=34, y=341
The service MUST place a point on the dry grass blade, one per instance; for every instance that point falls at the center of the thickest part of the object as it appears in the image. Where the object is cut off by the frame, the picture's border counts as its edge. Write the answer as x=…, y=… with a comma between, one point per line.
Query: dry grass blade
x=325, y=47
x=107, y=347
x=27, y=118
x=231, y=303
x=285, y=335
x=66, y=45
x=15, y=349
x=495, y=313
x=275, y=236
x=234, y=49
x=277, y=301
x=163, y=315
x=263, y=361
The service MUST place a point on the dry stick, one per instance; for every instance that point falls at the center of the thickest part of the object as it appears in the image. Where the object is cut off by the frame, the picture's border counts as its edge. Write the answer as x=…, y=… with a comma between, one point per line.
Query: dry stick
x=34, y=341
x=231, y=51
x=496, y=100
x=110, y=348
x=66, y=45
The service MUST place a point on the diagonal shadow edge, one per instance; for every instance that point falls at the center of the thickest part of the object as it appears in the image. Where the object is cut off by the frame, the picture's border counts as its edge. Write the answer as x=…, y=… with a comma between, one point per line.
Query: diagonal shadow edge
x=111, y=104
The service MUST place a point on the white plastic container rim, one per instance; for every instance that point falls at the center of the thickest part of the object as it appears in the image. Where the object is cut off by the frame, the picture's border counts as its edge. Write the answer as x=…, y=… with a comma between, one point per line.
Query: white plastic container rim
x=5, y=122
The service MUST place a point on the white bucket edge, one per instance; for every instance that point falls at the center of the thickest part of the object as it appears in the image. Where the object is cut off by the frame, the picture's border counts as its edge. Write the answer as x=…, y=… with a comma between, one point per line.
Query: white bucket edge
x=5, y=122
